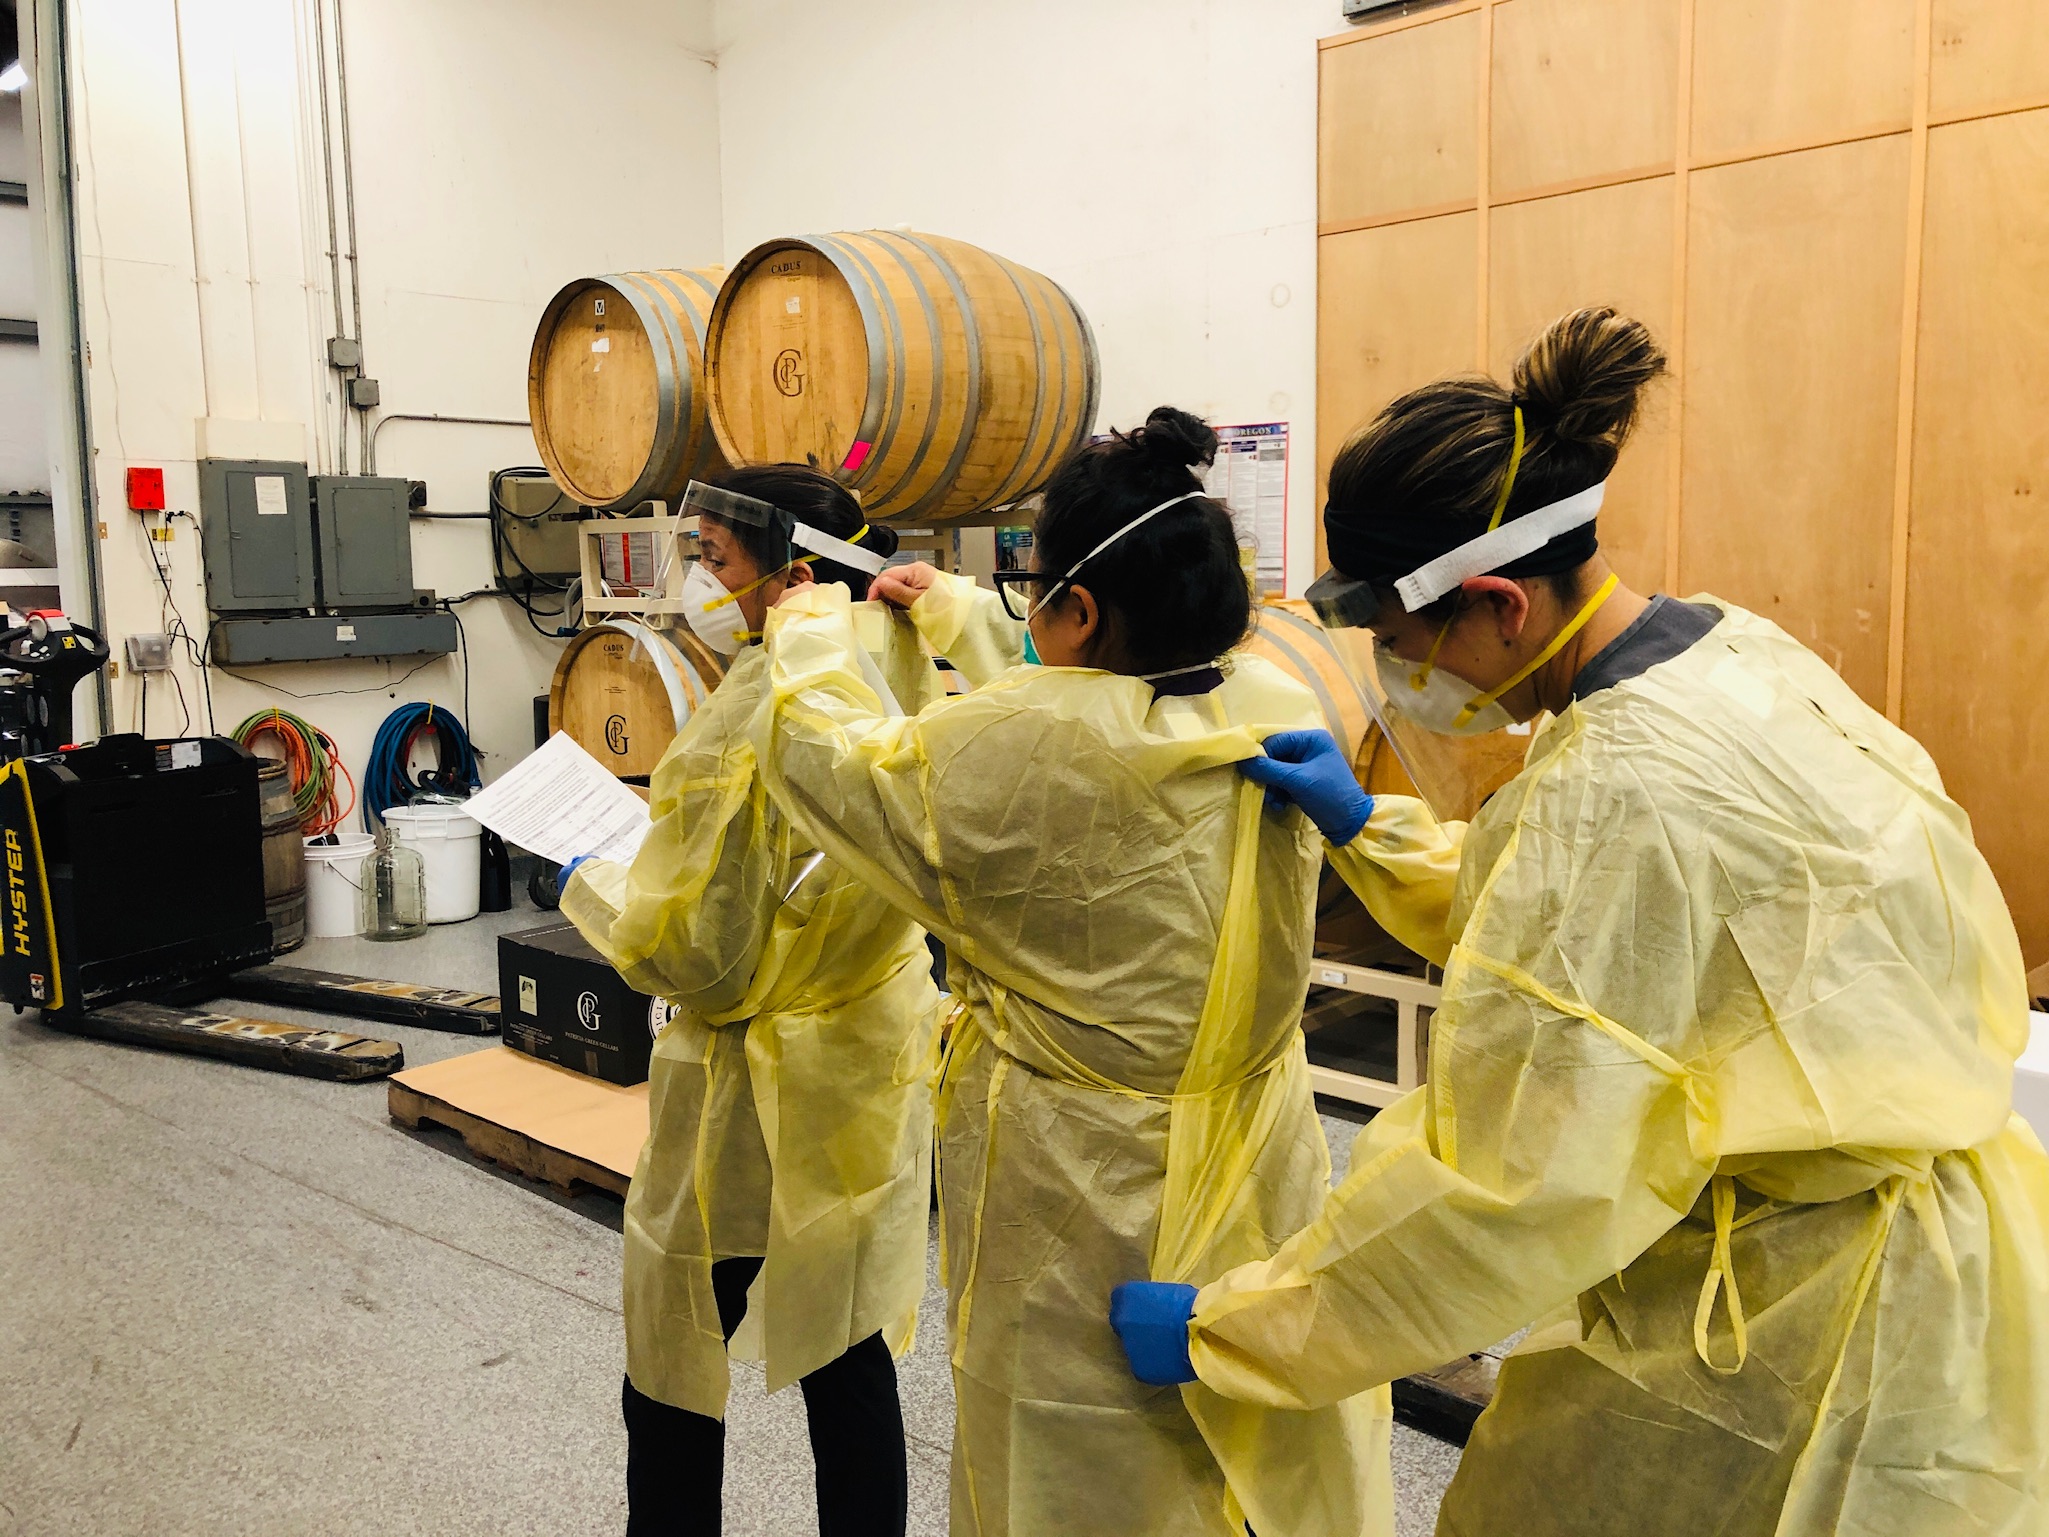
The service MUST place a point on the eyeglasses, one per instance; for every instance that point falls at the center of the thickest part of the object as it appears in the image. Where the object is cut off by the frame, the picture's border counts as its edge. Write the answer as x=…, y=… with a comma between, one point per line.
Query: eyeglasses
x=1020, y=591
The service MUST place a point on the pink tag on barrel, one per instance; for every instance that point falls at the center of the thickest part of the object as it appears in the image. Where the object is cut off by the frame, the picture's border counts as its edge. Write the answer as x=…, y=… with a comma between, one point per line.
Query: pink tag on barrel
x=856, y=456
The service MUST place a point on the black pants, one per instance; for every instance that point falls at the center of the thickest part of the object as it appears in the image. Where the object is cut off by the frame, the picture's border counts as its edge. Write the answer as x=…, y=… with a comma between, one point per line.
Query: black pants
x=675, y=1460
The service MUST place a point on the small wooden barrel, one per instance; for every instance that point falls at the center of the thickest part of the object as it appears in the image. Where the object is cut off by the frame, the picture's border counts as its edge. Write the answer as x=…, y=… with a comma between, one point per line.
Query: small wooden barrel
x=935, y=378
x=615, y=386
x=284, y=857
x=622, y=691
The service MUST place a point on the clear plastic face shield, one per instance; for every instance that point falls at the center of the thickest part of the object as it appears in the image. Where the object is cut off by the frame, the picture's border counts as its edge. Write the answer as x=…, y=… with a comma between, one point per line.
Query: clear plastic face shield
x=1452, y=774
x=712, y=609
x=1455, y=741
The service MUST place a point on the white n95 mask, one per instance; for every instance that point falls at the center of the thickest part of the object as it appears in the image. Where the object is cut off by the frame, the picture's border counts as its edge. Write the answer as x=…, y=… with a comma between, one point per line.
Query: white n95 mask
x=712, y=613
x=1435, y=699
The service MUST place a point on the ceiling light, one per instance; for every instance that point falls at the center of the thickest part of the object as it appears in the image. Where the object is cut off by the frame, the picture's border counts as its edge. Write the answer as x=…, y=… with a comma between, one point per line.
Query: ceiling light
x=13, y=77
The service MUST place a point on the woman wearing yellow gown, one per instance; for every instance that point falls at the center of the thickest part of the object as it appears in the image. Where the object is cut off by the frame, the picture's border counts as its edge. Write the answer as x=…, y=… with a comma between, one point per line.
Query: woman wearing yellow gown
x=1128, y=940
x=1720, y=1088
x=787, y=1173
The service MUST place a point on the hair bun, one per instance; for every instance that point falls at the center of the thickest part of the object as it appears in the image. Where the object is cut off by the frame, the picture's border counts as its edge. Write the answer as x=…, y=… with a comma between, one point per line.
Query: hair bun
x=1582, y=380
x=880, y=540
x=1176, y=436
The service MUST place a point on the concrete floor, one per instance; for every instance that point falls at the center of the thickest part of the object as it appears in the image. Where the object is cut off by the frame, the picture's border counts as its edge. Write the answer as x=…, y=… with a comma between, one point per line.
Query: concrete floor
x=233, y=1301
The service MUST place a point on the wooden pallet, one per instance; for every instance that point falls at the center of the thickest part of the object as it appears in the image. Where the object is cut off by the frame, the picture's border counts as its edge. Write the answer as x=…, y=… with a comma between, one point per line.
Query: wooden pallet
x=536, y=1119
x=1447, y=1401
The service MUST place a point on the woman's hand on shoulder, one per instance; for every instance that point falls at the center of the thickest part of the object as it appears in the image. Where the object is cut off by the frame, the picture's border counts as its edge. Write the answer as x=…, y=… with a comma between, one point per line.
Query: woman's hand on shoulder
x=901, y=586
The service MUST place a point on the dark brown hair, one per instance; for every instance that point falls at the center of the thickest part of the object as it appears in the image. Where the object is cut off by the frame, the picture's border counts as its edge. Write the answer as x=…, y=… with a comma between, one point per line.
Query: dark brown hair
x=1438, y=454
x=1175, y=584
x=813, y=497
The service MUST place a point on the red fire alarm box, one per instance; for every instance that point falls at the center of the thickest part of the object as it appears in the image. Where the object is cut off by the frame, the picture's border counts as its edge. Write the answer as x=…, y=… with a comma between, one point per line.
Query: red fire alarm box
x=145, y=489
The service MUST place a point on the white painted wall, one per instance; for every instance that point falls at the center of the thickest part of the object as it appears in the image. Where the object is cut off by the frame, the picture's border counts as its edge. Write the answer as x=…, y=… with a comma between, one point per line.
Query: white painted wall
x=501, y=147
x=24, y=465
x=1156, y=157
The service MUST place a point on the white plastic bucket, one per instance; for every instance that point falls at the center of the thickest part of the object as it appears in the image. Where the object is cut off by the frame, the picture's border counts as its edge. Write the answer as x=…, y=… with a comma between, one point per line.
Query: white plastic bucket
x=334, y=884
x=450, y=844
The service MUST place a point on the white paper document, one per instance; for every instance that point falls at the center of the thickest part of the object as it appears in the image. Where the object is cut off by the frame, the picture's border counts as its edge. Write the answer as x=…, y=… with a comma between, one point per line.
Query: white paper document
x=559, y=802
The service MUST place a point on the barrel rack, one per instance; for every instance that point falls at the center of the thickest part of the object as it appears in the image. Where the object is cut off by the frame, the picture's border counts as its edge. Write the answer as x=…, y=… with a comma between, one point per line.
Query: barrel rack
x=940, y=543
x=1414, y=999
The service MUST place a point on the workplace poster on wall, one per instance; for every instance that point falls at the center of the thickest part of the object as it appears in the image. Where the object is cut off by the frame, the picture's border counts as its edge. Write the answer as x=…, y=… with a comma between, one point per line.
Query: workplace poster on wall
x=1250, y=477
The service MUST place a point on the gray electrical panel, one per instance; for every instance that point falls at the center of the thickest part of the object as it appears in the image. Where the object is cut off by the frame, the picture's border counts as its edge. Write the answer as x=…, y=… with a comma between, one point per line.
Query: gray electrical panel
x=366, y=543
x=330, y=637
x=256, y=531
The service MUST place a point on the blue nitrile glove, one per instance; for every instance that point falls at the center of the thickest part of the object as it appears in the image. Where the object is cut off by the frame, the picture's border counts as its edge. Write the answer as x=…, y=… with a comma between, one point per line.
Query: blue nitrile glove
x=1151, y=1318
x=562, y=879
x=1308, y=769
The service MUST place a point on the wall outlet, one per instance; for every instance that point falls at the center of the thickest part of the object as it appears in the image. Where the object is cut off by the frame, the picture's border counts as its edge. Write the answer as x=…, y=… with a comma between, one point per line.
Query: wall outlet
x=149, y=653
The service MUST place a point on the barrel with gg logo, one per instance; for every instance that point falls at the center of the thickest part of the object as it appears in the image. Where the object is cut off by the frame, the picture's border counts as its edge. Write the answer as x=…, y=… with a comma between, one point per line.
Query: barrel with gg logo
x=623, y=691
x=934, y=378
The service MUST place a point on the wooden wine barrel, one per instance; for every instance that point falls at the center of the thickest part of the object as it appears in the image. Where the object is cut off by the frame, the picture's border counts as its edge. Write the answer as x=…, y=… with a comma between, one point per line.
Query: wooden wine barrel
x=615, y=386
x=622, y=691
x=934, y=378
x=1289, y=636
x=284, y=857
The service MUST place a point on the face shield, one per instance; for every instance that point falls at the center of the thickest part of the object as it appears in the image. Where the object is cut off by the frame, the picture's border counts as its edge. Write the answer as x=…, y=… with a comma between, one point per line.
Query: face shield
x=1452, y=774
x=730, y=509
x=1453, y=767
x=713, y=609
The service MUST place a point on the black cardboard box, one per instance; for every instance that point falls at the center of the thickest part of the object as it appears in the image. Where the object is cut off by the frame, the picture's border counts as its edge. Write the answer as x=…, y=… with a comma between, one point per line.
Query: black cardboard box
x=562, y=1002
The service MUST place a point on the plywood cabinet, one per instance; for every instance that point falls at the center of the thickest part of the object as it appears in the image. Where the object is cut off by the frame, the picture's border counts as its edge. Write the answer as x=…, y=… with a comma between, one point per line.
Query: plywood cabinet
x=1546, y=130
x=1399, y=308
x=1791, y=389
x=1835, y=214
x=1606, y=245
x=1976, y=650
x=1768, y=74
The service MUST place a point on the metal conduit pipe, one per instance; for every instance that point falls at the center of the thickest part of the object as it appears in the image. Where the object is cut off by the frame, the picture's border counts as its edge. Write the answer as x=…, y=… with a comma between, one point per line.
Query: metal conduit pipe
x=333, y=228
x=341, y=91
x=370, y=446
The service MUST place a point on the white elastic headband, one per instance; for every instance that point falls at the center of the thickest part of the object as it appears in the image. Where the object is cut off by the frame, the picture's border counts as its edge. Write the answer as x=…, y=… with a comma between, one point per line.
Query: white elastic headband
x=1172, y=501
x=805, y=537
x=1498, y=547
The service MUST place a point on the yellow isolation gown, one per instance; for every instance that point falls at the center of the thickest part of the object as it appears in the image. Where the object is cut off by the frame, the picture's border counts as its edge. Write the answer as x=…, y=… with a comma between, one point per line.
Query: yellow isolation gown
x=790, y=1095
x=1126, y=1093
x=1721, y=1087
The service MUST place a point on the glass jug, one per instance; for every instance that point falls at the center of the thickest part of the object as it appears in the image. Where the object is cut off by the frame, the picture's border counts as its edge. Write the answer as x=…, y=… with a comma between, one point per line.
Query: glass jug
x=394, y=890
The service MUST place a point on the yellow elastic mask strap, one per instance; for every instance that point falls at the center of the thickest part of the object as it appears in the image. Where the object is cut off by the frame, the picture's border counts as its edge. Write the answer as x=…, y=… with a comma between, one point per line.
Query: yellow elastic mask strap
x=741, y=592
x=1420, y=678
x=1721, y=1272
x=1515, y=459
x=1578, y=623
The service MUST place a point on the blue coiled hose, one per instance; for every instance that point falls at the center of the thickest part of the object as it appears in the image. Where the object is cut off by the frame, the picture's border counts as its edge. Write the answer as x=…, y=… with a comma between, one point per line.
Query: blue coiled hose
x=385, y=780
